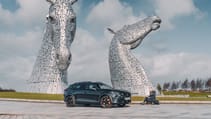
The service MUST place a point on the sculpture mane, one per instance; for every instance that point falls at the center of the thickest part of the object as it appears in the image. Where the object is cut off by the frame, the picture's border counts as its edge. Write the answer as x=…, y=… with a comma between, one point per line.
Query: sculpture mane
x=125, y=69
x=49, y=74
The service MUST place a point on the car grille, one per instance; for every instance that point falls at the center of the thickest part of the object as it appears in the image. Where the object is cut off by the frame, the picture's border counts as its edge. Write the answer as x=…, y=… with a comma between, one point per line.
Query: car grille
x=125, y=94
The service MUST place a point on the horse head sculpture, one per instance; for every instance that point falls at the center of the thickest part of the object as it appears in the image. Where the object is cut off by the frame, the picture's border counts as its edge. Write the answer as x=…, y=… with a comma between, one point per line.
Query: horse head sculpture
x=49, y=74
x=126, y=71
x=62, y=21
x=133, y=34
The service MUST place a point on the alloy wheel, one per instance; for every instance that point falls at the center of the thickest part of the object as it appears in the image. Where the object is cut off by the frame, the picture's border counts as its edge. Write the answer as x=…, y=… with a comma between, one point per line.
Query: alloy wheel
x=70, y=101
x=106, y=102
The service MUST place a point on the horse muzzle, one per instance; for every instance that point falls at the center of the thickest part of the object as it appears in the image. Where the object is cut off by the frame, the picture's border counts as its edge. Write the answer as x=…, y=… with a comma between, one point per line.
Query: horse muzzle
x=63, y=59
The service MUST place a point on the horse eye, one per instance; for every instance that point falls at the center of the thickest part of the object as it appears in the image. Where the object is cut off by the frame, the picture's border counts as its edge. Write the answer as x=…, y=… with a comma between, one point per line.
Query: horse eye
x=51, y=19
x=73, y=20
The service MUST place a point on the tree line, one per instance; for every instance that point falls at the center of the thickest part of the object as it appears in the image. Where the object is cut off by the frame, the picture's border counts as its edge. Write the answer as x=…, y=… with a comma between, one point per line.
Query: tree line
x=186, y=85
x=7, y=90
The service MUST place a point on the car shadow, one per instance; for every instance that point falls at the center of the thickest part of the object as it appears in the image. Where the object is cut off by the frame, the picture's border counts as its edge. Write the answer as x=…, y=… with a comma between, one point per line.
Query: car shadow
x=98, y=106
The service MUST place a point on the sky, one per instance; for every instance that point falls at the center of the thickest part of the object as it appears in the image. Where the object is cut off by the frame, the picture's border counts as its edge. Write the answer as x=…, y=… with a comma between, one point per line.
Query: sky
x=180, y=49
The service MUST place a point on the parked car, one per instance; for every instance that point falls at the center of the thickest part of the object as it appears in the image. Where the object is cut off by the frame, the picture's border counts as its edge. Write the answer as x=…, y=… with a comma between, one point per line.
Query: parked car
x=95, y=93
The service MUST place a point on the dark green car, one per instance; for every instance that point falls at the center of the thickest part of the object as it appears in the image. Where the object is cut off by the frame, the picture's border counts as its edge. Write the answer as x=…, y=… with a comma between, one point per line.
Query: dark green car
x=95, y=93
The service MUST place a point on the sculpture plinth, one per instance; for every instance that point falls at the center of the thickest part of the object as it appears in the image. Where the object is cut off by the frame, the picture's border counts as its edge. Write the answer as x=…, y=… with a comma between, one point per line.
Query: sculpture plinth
x=49, y=74
x=125, y=69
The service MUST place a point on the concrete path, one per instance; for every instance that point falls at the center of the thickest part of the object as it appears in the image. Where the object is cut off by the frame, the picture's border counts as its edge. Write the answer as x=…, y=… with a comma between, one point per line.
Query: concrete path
x=28, y=110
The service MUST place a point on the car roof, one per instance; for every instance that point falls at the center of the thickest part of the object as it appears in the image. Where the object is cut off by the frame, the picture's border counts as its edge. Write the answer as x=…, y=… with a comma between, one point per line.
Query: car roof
x=82, y=82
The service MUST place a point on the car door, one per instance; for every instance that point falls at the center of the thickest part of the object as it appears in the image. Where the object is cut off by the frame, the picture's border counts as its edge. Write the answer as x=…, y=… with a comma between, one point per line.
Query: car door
x=92, y=93
x=79, y=92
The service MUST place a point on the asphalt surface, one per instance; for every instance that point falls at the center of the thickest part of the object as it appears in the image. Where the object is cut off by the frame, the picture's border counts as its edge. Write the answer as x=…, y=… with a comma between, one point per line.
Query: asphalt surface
x=28, y=110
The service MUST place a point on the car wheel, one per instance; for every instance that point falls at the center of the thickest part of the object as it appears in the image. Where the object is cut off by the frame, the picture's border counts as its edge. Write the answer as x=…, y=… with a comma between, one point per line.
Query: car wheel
x=121, y=105
x=106, y=102
x=70, y=101
x=156, y=102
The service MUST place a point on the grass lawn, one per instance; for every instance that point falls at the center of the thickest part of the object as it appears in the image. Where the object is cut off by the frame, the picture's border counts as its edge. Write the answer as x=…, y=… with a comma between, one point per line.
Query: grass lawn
x=138, y=98
x=184, y=99
x=37, y=96
x=191, y=94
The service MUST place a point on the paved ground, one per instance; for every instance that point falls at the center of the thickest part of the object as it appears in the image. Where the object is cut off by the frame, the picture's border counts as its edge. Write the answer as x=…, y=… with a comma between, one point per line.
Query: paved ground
x=26, y=110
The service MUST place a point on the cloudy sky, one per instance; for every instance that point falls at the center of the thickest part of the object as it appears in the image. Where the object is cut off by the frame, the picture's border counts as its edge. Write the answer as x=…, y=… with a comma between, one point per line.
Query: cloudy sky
x=179, y=49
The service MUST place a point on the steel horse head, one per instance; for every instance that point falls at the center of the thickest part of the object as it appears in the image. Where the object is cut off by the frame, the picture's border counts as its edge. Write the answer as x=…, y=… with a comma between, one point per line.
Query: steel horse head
x=61, y=21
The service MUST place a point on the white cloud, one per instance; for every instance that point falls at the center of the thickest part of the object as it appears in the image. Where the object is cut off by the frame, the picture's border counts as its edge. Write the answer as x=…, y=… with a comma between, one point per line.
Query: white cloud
x=24, y=44
x=116, y=13
x=29, y=13
x=18, y=50
x=89, y=58
x=168, y=10
x=17, y=57
x=16, y=67
x=112, y=13
x=5, y=16
x=177, y=66
x=15, y=71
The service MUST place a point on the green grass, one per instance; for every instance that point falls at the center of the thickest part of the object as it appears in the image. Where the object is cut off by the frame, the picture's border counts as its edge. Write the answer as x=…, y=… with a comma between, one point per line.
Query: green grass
x=191, y=94
x=139, y=98
x=36, y=96
x=184, y=99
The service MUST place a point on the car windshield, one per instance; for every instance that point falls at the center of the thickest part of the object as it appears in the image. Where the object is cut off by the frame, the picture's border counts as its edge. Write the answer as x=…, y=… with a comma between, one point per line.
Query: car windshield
x=104, y=86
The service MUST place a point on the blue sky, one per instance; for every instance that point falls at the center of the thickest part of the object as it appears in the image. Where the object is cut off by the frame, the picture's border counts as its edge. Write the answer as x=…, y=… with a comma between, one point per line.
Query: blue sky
x=178, y=50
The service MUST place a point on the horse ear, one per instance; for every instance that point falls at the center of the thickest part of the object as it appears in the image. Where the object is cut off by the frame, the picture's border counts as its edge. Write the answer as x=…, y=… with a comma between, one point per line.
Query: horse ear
x=51, y=1
x=73, y=1
x=111, y=31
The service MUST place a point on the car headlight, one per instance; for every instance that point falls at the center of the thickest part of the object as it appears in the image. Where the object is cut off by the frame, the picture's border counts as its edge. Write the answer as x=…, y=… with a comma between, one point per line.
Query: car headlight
x=115, y=94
